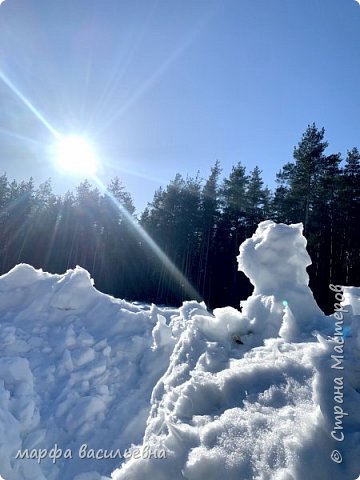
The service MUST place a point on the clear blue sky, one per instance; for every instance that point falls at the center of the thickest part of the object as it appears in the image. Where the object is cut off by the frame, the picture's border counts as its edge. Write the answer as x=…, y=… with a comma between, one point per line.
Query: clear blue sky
x=166, y=86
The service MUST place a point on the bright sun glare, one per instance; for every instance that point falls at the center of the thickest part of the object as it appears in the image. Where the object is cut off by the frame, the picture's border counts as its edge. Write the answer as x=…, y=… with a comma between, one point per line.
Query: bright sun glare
x=74, y=154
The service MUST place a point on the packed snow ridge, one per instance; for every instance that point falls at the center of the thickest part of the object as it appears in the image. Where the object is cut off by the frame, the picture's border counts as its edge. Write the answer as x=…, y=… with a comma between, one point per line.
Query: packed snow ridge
x=92, y=387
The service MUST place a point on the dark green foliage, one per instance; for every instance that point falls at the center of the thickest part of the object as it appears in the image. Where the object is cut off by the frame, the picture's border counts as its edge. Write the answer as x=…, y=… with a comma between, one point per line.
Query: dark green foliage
x=316, y=191
x=198, y=225
x=173, y=221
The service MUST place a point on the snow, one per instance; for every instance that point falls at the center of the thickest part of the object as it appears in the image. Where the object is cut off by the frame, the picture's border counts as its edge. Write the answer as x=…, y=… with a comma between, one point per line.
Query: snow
x=76, y=367
x=263, y=393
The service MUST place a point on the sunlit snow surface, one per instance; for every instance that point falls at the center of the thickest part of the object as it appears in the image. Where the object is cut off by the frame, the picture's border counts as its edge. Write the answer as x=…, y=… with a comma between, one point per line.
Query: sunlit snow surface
x=229, y=395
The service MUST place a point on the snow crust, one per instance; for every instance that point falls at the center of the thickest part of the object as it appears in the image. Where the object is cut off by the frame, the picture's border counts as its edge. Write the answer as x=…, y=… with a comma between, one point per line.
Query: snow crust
x=230, y=394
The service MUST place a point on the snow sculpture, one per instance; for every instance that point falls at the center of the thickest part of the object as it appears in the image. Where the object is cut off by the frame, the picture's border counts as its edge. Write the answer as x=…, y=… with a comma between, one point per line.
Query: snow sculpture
x=275, y=260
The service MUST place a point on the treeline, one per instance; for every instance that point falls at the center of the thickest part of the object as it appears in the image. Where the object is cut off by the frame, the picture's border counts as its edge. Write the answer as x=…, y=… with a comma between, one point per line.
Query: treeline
x=197, y=224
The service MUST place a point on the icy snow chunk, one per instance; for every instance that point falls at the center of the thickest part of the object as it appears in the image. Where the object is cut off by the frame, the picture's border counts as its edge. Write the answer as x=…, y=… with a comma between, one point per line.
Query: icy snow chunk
x=290, y=329
x=161, y=332
x=34, y=439
x=86, y=410
x=223, y=324
x=66, y=363
x=74, y=290
x=82, y=356
x=14, y=370
x=22, y=275
x=275, y=258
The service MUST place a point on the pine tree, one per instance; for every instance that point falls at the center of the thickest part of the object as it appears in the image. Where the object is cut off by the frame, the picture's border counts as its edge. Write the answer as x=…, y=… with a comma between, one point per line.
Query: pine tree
x=173, y=220
x=309, y=157
x=258, y=199
x=230, y=233
x=17, y=221
x=350, y=214
x=209, y=215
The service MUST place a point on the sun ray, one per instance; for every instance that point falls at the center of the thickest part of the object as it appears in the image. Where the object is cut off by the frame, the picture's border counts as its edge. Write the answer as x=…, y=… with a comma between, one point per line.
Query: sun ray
x=159, y=71
x=181, y=280
x=17, y=136
x=27, y=102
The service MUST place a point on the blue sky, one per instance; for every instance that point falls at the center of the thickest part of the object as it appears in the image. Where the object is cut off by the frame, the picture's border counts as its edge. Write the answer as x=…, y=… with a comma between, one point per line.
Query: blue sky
x=166, y=86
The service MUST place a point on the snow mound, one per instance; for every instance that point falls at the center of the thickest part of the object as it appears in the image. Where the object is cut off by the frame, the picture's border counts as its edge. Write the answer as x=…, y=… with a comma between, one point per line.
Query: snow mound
x=270, y=392
x=76, y=367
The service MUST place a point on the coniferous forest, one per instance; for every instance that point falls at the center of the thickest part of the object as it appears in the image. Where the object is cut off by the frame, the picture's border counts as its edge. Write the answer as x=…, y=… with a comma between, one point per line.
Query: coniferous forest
x=198, y=223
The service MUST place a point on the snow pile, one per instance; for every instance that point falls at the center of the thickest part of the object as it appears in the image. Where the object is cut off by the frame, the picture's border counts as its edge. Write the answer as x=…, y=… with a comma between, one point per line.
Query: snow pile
x=77, y=367
x=255, y=395
x=268, y=393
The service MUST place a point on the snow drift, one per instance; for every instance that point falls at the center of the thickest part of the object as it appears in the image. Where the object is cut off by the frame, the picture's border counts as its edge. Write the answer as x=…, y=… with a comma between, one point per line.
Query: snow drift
x=268, y=392
x=76, y=367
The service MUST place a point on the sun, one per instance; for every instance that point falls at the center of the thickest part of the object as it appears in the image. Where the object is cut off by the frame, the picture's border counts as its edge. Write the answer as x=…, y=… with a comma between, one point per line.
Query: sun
x=74, y=154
